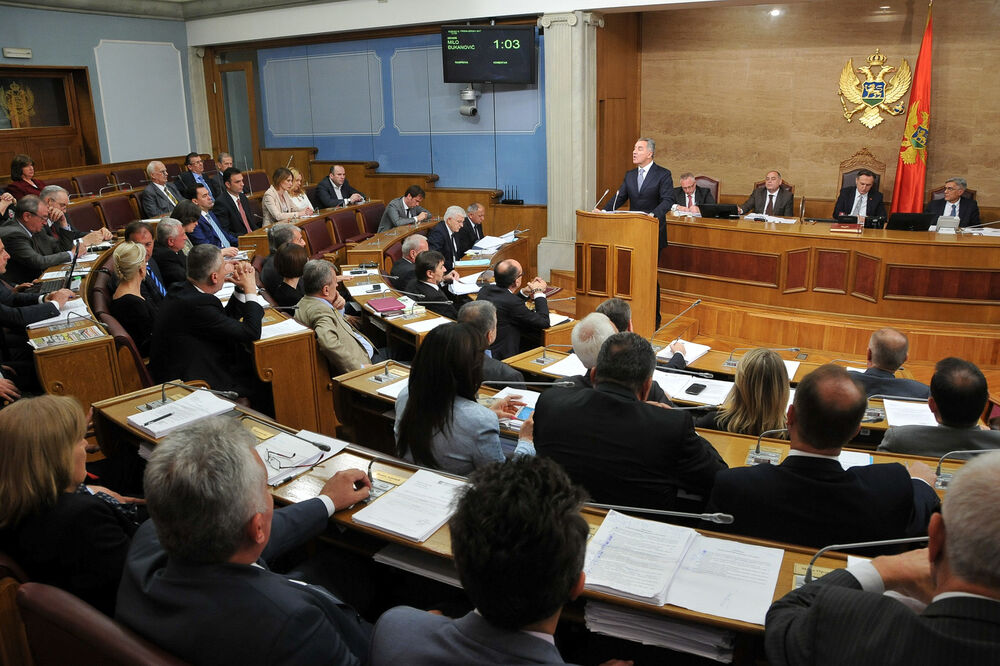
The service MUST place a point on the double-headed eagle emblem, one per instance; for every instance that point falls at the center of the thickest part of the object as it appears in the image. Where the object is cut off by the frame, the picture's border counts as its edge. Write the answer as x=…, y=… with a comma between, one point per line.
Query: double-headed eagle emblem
x=874, y=93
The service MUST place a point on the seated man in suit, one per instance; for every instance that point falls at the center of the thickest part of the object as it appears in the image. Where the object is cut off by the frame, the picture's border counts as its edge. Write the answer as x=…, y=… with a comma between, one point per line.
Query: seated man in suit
x=194, y=337
x=223, y=161
x=514, y=319
x=472, y=228
x=953, y=204
x=59, y=224
x=278, y=235
x=334, y=191
x=958, y=398
x=153, y=287
x=606, y=434
x=404, y=210
x=517, y=581
x=168, y=251
x=187, y=181
x=810, y=499
x=321, y=309
x=232, y=208
x=620, y=314
x=483, y=316
x=403, y=270
x=160, y=196
x=887, y=351
x=195, y=579
x=845, y=617
x=690, y=195
x=209, y=231
x=428, y=284
x=31, y=247
x=861, y=200
x=447, y=238
x=769, y=199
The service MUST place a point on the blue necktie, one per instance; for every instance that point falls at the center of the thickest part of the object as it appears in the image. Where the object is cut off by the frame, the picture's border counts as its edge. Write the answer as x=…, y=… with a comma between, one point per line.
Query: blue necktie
x=954, y=212
x=156, y=282
x=215, y=227
x=201, y=179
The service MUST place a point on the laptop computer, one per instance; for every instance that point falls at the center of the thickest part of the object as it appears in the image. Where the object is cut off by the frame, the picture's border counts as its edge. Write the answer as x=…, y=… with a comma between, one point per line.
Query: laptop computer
x=911, y=221
x=49, y=286
x=719, y=211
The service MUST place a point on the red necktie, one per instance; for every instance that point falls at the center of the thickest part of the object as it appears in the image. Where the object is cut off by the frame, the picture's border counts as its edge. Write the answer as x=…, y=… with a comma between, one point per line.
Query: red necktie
x=689, y=201
x=239, y=207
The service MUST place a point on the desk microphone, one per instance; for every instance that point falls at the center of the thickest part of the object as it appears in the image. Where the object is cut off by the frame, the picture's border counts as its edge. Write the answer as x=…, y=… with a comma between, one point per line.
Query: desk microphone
x=602, y=198
x=859, y=544
x=756, y=457
x=543, y=357
x=943, y=479
x=731, y=363
x=678, y=371
x=567, y=298
x=497, y=382
x=975, y=226
x=318, y=445
x=908, y=398
x=720, y=518
x=231, y=395
x=615, y=202
x=88, y=318
x=679, y=315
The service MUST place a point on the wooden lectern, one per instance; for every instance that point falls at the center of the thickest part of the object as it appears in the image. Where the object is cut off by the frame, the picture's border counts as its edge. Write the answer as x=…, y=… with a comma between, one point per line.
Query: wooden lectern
x=616, y=256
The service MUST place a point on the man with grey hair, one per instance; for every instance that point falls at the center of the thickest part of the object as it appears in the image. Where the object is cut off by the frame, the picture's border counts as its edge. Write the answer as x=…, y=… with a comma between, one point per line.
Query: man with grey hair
x=483, y=316
x=278, y=235
x=59, y=226
x=196, y=580
x=322, y=310
x=690, y=195
x=32, y=249
x=168, y=251
x=223, y=161
x=446, y=237
x=472, y=228
x=845, y=617
x=403, y=270
x=620, y=313
x=160, y=196
x=888, y=349
x=195, y=337
x=955, y=204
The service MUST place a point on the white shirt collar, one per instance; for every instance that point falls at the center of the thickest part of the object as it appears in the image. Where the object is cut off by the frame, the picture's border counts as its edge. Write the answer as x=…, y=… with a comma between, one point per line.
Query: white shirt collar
x=806, y=454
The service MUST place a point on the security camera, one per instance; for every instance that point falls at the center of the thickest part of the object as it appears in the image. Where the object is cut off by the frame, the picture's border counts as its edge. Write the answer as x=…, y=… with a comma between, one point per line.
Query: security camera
x=469, y=110
x=468, y=96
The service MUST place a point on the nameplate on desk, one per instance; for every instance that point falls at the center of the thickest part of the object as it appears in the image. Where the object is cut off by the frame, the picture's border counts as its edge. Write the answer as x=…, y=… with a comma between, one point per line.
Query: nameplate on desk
x=768, y=455
x=66, y=337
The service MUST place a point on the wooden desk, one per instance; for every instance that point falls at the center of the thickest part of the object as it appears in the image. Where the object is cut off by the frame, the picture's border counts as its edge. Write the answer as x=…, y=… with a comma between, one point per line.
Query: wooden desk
x=373, y=249
x=257, y=239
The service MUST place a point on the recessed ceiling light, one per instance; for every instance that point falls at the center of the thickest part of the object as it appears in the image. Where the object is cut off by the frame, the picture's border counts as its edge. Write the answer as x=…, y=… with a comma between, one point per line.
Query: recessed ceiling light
x=775, y=12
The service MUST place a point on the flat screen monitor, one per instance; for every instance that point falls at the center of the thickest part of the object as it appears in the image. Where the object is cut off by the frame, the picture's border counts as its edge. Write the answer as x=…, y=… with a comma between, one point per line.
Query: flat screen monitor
x=721, y=211
x=488, y=53
x=911, y=221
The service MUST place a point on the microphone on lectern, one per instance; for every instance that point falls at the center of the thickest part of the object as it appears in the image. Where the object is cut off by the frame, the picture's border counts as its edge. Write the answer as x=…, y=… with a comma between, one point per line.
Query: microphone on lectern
x=720, y=518
x=678, y=316
x=943, y=479
x=859, y=544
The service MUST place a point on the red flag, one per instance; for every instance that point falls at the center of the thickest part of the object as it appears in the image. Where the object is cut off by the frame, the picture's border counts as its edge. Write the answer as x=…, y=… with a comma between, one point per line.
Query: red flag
x=911, y=170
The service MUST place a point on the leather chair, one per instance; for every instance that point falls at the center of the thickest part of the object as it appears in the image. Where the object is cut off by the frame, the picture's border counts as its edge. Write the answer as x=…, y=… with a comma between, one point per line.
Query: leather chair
x=711, y=183
x=91, y=184
x=209, y=164
x=84, y=216
x=939, y=193
x=785, y=185
x=345, y=226
x=134, y=373
x=132, y=178
x=63, y=629
x=255, y=211
x=257, y=181
x=99, y=298
x=173, y=169
x=371, y=215
x=317, y=233
x=117, y=212
x=393, y=253
x=65, y=183
x=313, y=199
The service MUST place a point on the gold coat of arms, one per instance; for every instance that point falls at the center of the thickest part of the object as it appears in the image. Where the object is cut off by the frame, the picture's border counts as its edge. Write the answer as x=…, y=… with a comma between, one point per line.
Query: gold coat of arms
x=873, y=93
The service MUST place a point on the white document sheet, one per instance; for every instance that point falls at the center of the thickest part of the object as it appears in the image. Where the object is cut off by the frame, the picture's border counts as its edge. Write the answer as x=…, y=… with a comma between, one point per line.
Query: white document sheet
x=714, y=393
x=415, y=509
x=426, y=324
x=367, y=289
x=567, y=367
x=792, y=367
x=692, y=351
x=527, y=397
x=905, y=412
x=849, y=459
x=76, y=305
x=192, y=407
x=281, y=328
x=489, y=243
x=394, y=389
x=671, y=383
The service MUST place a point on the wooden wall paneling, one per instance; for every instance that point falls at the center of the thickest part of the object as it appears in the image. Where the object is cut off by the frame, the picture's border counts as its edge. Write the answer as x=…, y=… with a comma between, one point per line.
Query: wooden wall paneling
x=501, y=218
x=619, y=74
x=726, y=265
x=796, y=270
x=830, y=270
x=866, y=276
x=272, y=158
x=623, y=272
x=932, y=283
x=582, y=269
x=598, y=260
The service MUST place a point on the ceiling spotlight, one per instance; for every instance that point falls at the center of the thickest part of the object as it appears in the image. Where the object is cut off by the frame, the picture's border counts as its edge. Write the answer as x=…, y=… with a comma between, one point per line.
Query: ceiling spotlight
x=775, y=12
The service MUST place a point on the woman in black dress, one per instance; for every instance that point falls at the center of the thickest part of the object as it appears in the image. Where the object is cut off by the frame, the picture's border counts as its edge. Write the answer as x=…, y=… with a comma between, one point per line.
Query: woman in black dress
x=127, y=305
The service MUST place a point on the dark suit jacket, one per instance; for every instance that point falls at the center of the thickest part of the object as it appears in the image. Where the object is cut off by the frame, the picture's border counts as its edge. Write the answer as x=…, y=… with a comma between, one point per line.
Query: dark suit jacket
x=148, y=288
x=624, y=451
x=471, y=233
x=656, y=197
x=815, y=502
x=235, y=613
x=328, y=196
x=172, y=265
x=429, y=293
x=439, y=239
x=19, y=310
x=513, y=319
x=154, y=203
x=757, y=202
x=30, y=255
x=403, y=270
x=204, y=233
x=832, y=621
x=79, y=545
x=396, y=215
x=228, y=216
x=882, y=382
x=186, y=184
x=498, y=371
x=845, y=203
x=195, y=338
x=656, y=393
x=702, y=195
x=968, y=210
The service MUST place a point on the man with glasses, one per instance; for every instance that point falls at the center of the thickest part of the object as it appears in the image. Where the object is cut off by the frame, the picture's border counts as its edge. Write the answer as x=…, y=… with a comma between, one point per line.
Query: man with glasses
x=59, y=226
x=160, y=196
x=194, y=176
x=31, y=249
x=954, y=204
x=513, y=317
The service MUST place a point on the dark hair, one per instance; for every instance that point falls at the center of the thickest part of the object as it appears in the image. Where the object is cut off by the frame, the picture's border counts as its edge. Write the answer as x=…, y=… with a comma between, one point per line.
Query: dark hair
x=414, y=191
x=960, y=391
x=187, y=158
x=427, y=260
x=18, y=163
x=290, y=259
x=186, y=211
x=627, y=359
x=829, y=406
x=448, y=364
x=519, y=540
x=505, y=274
x=618, y=311
x=202, y=261
x=228, y=174
x=134, y=227
x=864, y=172
x=279, y=175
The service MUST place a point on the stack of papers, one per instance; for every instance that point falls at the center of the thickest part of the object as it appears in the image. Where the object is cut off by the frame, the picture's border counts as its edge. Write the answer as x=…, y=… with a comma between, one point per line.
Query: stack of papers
x=425, y=325
x=659, y=563
x=472, y=262
x=760, y=217
x=77, y=305
x=555, y=319
x=692, y=351
x=224, y=294
x=423, y=564
x=285, y=327
x=414, y=510
x=466, y=285
x=568, y=367
x=651, y=629
x=489, y=243
x=394, y=389
x=192, y=407
x=905, y=412
x=286, y=456
x=683, y=387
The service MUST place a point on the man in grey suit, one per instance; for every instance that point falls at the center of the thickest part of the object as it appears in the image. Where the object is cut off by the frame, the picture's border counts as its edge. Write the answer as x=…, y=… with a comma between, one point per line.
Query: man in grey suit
x=958, y=398
x=689, y=195
x=771, y=199
x=518, y=573
x=31, y=247
x=483, y=315
x=405, y=210
x=160, y=196
x=887, y=351
x=844, y=617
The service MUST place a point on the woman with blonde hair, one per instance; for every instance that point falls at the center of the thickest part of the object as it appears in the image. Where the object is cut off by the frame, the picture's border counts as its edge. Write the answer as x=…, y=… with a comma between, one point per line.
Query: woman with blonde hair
x=759, y=399
x=132, y=311
x=60, y=531
x=277, y=203
x=298, y=194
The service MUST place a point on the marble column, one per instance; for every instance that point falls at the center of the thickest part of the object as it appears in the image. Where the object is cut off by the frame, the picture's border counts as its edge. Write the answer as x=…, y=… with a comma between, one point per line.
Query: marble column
x=570, y=129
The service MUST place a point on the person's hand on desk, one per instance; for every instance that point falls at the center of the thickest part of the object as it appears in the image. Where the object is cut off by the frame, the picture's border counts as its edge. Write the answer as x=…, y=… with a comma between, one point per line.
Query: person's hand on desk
x=230, y=252
x=8, y=391
x=919, y=470
x=347, y=487
x=355, y=198
x=908, y=573
x=677, y=347
x=508, y=407
x=21, y=287
x=60, y=296
x=80, y=248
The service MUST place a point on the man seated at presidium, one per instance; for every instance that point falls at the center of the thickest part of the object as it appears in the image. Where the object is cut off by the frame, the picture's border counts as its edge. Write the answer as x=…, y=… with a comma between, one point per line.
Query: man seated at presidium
x=196, y=582
x=518, y=573
x=334, y=190
x=888, y=349
x=845, y=618
x=810, y=499
x=690, y=195
x=770, y=199
x=861, y=200
x=959, y=395
x=513, y=317
x=954, y=204
x=404, y=210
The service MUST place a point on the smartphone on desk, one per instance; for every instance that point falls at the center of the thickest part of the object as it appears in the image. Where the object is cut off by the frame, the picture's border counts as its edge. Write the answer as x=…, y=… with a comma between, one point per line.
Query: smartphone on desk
x=695, y=389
